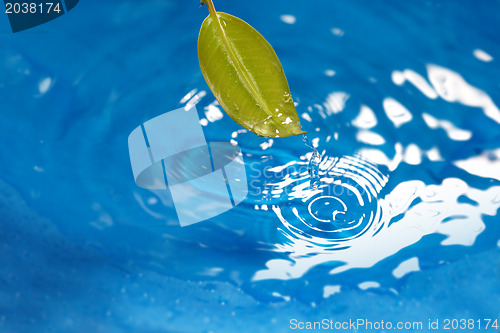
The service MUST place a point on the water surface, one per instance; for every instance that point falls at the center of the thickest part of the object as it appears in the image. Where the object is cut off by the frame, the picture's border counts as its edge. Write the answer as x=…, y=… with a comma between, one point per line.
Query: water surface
x=400, y=100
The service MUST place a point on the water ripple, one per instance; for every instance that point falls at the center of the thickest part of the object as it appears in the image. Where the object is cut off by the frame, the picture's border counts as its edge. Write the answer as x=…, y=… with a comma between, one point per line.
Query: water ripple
x=343, y=207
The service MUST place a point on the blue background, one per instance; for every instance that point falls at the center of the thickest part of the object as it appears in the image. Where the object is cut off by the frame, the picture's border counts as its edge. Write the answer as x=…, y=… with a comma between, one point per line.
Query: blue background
x=82, y=249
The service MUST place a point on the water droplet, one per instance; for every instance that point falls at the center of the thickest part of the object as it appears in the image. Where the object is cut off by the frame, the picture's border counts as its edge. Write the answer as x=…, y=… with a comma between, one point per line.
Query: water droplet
x=314, y=162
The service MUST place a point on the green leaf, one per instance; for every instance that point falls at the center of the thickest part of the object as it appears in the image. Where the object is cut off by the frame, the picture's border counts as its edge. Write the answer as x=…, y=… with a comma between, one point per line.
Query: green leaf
x=245, y=76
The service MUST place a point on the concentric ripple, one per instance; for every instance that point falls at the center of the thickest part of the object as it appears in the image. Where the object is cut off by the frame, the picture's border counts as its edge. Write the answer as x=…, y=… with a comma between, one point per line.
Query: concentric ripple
x=342, y=208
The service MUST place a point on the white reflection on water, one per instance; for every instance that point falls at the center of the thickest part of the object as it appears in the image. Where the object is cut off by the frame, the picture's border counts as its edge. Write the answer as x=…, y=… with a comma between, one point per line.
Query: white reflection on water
x=335, y=102
x=370, y=137
x=416, y=79
x=452, y=87
x=387, y=222
x=438, y=212
x=289, y=19
x=366, y=118
x=188, y=96
x=451, y=130
x=368, y=285
x=195, y=99
x=486, y=165
x=363, y=222
x=396, y=112
x=213, y=113
x=407, y=266
x=329, y=72
x=413, y=154
x=330, y=290
x=45, y=85
x=482, y=55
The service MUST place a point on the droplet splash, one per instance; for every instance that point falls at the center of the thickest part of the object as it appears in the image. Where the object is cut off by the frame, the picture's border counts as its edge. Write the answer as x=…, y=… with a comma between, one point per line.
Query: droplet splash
x=314, y=162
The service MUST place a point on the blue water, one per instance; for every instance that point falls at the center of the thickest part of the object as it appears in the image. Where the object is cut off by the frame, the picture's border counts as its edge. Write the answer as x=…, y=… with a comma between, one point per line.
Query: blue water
x=401, y=99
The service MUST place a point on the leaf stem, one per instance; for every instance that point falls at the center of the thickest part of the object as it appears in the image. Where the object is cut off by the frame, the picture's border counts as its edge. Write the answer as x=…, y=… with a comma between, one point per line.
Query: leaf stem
x=211, y=7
